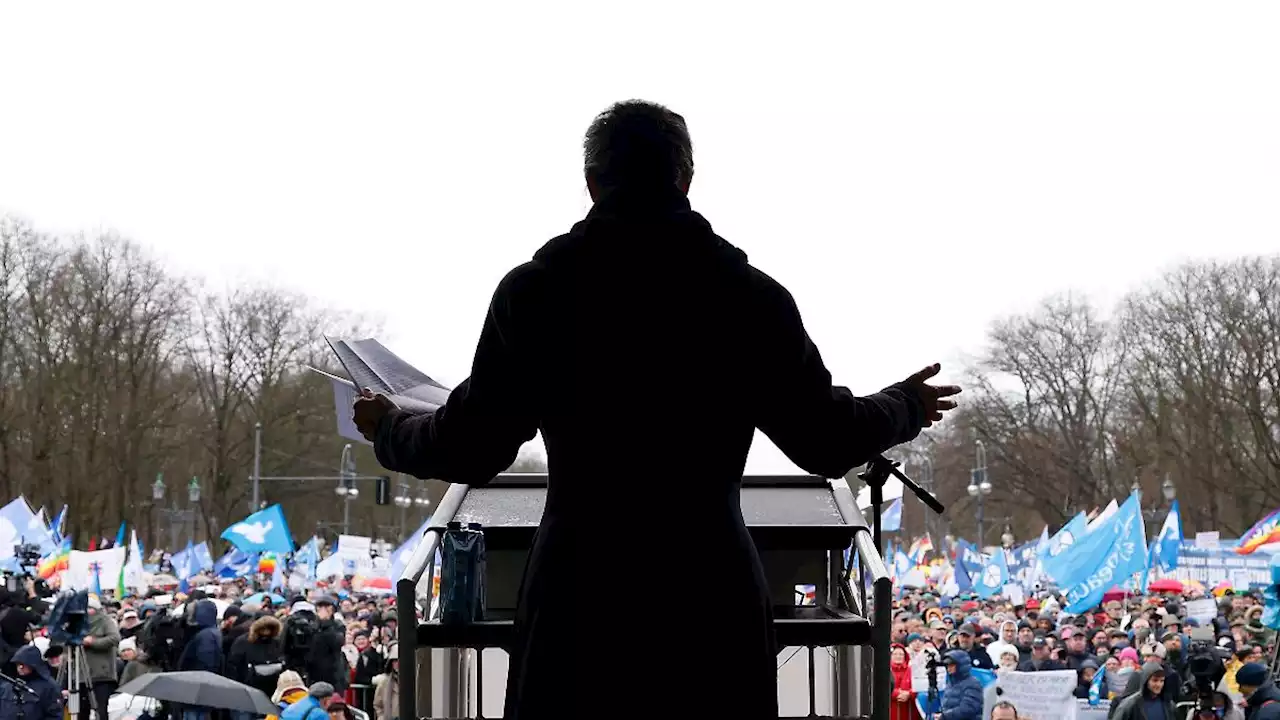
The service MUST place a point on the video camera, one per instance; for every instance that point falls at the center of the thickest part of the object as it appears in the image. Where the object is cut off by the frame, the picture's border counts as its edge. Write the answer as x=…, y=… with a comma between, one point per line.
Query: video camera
x=69, y=618
x=28, y=557
x=1207, y=664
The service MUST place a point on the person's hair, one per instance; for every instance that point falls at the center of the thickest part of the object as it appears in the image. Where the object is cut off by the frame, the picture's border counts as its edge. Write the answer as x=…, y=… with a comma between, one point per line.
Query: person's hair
x=637, y=144
x=1004, y=705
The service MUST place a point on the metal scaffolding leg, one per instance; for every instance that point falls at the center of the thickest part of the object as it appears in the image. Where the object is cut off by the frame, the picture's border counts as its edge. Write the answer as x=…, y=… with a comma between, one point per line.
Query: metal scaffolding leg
x=455, y=683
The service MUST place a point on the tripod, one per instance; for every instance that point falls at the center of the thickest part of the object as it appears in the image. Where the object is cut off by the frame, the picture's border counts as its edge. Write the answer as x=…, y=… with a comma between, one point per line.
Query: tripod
x=878, y=471
x=80, y=684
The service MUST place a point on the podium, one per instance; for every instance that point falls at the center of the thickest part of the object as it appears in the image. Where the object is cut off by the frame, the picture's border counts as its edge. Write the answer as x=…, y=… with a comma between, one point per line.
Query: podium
x=801, y=526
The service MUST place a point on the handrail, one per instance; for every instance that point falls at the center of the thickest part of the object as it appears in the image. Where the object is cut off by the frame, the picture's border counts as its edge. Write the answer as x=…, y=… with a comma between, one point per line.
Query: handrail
x=882, y=594
x=407, y=598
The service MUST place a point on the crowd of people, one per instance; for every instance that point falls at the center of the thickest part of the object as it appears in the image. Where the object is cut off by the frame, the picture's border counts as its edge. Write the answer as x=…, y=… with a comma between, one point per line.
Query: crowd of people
x=1154, y=657
x=322, y=657
x=327, y=657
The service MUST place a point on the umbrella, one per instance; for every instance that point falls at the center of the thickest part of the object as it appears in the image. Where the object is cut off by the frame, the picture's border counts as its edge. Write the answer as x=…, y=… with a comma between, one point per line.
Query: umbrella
x=201, y=689
x=257, y=598
x=1168, y=585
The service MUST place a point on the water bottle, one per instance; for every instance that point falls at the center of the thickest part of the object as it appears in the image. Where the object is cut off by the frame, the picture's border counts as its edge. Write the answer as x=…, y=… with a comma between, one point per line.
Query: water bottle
x=462, y=574
x=480, y=561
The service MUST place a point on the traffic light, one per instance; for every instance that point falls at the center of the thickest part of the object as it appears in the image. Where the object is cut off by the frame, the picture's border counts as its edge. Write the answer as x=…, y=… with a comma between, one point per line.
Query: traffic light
x=382, y=490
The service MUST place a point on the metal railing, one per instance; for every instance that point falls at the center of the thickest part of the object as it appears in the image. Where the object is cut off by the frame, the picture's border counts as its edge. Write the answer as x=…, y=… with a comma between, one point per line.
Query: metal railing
x=869, y=563
x=409, y=589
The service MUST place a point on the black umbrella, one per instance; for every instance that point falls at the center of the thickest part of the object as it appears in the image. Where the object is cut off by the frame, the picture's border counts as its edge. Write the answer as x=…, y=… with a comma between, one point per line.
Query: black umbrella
x=201, y=689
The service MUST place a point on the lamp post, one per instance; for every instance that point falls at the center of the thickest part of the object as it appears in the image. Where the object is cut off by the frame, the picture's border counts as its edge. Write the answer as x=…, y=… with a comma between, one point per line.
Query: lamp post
x=404, y=502
x=1167, y=489
x=347, y=489
x=1007, y=538
x=173, y=514
x=979, y=486
x=927, y=479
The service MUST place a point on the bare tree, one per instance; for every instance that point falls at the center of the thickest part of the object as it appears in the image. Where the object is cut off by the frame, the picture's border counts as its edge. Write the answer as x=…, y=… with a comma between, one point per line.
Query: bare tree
x=1042, y=400
x=1203, y=383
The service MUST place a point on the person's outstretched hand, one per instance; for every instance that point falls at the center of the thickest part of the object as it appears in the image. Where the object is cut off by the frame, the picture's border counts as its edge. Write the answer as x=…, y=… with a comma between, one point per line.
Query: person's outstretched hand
x=368, y=411
x=932, y=397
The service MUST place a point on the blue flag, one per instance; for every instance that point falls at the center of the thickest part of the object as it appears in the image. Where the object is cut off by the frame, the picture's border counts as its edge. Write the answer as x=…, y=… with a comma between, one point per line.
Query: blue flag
x=1095, y=687
x=263, y=531
x=1106, y=557
x=1063, y=540
x=236, y=563
x=401, y=555
x=994, y=576
x=1164, y=550
x=891, y=518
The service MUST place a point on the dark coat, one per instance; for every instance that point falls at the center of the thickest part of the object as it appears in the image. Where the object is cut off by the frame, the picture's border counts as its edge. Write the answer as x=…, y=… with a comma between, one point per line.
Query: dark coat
x=647, y=351
x=962, y=700
x=204, y=650
x=1264, y=703
x=257, y=657
x=43, y=701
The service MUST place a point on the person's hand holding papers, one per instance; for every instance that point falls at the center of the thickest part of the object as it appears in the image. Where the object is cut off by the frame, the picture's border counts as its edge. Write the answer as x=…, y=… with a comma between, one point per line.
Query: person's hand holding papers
x=368, y=411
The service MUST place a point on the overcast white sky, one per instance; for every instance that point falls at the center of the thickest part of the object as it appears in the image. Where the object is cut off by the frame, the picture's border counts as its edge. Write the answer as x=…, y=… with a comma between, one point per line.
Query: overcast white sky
x=910, y=171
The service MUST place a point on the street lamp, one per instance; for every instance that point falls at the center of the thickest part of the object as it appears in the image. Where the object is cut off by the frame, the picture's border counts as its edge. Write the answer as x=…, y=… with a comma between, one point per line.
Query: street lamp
x=176, y=516
x=1170, y=492
x=347, y=489
x=1007, y=538
x=979, y=486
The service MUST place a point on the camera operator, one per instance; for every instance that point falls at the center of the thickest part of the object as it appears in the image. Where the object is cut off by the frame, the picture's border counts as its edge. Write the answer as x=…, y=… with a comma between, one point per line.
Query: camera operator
x=19, y=611
x=1262, y=697
x=100, y=645
x=326, y=662
x=40, y=699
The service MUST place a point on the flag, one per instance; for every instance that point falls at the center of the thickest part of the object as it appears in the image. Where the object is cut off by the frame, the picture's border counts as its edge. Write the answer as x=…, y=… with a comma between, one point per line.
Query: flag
x=1164, y=550
x=55, y=562
x=60, y=524
x=919, y=547
x=1264, y=532
x=1104, y=558
x=95, y=586
x=277, y=577
x=400, y=557
x=184, y=567
x=1102, y=517
x=891, y=518
x=134, y=573
x=235, y=563
x=263, y=531
x=994, y=576
x=120, y=535
x=1095, y=687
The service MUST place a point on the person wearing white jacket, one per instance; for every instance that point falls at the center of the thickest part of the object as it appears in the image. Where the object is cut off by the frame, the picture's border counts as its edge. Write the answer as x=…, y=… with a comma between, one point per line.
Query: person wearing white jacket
x=1008, y=634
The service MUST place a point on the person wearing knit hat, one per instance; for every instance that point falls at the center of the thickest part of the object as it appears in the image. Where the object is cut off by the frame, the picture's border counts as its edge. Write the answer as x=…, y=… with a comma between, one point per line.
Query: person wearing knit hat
x=1260, y=692
x=289, y=683
x=314, y=706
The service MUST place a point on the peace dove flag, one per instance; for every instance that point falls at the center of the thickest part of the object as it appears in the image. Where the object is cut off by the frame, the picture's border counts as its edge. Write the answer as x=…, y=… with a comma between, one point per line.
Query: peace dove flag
x=263, y=531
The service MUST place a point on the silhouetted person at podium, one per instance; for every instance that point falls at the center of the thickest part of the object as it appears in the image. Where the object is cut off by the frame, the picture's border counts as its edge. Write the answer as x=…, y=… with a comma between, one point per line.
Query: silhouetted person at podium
x=647, y=351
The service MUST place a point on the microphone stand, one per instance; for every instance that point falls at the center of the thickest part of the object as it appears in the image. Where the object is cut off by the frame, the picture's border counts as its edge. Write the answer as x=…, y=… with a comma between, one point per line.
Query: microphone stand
x=878, y=472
